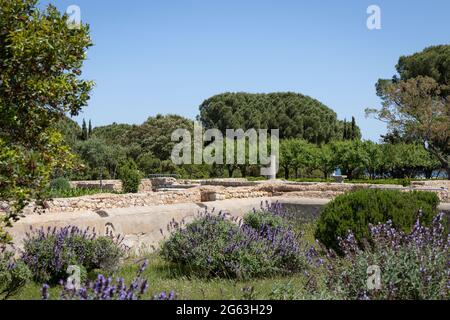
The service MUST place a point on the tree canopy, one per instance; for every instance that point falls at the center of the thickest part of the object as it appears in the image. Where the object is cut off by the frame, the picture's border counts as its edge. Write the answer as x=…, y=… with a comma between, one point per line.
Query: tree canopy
x=297, y=116
x=416, y=103
x=40, y=68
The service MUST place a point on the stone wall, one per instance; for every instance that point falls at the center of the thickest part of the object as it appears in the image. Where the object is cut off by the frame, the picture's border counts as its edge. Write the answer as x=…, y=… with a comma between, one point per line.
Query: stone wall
x=110, y=185
x=110, y=201
x=216, y=193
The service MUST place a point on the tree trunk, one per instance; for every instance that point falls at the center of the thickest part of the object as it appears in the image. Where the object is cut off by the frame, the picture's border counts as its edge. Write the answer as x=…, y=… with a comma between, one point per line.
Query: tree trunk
x=286, y=173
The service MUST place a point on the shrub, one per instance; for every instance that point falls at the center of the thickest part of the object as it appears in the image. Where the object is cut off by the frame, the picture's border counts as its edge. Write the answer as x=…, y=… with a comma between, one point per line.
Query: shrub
x=413, y=265
x=355, y=211
x=49, y=253
x=106, y=289
x=130, y=177
x=259, y=219
x=13, y=275
x=60, y=184
x=213, y=246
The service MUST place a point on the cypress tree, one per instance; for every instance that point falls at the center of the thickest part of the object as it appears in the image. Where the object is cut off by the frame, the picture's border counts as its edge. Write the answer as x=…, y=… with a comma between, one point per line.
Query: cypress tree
x=345, y=137
x=353, y=130
x=84, y=131
x=90, y=129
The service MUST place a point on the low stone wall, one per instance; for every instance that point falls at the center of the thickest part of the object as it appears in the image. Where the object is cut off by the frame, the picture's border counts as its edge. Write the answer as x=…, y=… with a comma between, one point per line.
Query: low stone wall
x=216, y=193
x=110, y=185
x=111, y=201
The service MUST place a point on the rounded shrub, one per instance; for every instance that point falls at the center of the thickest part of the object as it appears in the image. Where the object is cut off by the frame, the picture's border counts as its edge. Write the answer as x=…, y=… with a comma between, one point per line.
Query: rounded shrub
x=259, y=219
x=130, y=177
x=60, y=184
x=49, y=253
x=354, y=212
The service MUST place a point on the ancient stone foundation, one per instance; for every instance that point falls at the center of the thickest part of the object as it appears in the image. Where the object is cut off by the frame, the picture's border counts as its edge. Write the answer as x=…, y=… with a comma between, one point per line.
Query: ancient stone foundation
x=195, y=192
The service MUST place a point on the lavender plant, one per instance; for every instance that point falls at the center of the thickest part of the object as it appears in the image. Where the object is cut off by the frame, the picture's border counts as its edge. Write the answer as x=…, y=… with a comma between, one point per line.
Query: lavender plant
x=215, y=246
x=13, y=275
x=107, y=289
x=48, y=253
x=413, y=265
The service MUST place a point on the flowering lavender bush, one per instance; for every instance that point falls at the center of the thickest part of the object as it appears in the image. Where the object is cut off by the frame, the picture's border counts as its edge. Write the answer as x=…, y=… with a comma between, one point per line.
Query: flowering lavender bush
x=13, y=275
x=106, y=289
x=214, y=246
x=413, y=265
x=48, y=253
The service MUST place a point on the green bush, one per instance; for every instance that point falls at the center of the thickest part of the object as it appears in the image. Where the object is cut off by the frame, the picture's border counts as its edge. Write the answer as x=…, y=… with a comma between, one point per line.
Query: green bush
x=13, y=275
x=258, y=219
x=49, y=253
x=60, y=184
x=130, y=177
x=355, y=211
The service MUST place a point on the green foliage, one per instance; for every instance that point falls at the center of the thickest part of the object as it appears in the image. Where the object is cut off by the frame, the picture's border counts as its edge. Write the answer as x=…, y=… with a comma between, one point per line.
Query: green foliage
x=298, y=155
x=259, y=219
x=355, y=211
x=149, y=164
x=60, y=184
x=415, y=103
x=130, y=177
x=296, y=115
x=100, y=157
x=13, y=275
x=433, y=62
x=41, y=64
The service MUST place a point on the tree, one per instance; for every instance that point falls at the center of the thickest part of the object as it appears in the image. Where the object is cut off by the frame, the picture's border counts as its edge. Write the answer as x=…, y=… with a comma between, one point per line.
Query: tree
x=84, y=131
x=354, y=134
x=90, y=128
x=287, y=157
x=149, y=164
x=416, y=102
x=350, y=157
x=325, y=160
x=41, y=60
x=416, y=109
x=374, y=160
x=297, y=116
x=155, y=135
x=433, y=62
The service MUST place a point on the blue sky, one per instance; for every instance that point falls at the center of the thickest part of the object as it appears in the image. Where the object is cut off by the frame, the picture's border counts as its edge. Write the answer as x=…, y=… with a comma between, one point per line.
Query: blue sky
x=168, y=56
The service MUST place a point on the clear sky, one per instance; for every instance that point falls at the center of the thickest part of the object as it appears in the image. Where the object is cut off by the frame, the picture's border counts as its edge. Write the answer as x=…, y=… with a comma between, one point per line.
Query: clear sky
x=168, y=56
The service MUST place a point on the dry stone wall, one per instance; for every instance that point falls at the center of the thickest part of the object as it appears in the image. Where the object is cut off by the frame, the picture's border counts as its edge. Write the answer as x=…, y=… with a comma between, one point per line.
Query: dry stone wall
x=110, y=185
x=216, y=193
